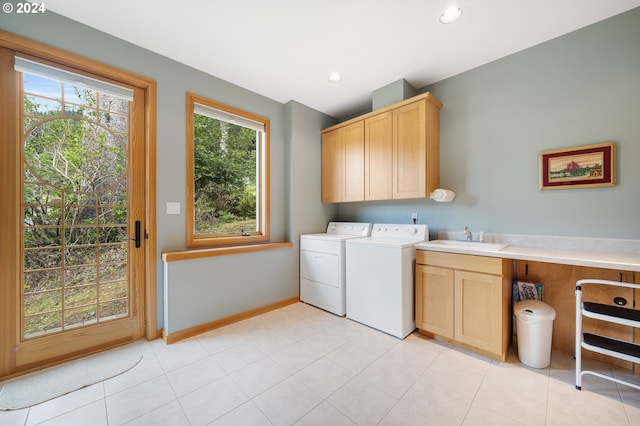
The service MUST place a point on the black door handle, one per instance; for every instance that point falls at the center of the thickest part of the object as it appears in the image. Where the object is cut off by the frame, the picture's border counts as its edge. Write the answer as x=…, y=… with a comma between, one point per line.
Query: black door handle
x=137, y=234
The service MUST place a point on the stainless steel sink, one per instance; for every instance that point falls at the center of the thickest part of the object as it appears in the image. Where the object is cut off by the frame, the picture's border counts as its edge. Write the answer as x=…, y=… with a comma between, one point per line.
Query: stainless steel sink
x=474, y=245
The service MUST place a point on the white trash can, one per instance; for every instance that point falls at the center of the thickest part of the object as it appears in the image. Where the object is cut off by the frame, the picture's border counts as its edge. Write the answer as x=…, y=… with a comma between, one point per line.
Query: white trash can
x=534, y=326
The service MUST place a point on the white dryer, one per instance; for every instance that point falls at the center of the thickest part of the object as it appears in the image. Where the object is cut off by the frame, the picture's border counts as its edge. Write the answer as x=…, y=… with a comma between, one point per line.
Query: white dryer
x=380, y=277
x=322, y=265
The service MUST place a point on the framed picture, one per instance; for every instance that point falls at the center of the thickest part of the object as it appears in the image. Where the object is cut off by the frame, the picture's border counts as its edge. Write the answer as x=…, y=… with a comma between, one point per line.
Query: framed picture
x=578, y=167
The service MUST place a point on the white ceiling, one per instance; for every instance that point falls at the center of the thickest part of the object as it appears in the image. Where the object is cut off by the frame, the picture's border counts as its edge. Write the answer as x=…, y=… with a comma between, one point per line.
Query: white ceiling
x=285, y=49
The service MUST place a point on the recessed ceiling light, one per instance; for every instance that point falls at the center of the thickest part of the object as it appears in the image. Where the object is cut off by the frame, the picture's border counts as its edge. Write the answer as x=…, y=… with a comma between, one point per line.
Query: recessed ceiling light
x=334, y=77
x=451, y=14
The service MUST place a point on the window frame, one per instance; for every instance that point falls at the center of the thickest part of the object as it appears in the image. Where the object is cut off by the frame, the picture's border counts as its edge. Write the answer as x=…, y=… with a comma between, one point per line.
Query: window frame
x=262, y=187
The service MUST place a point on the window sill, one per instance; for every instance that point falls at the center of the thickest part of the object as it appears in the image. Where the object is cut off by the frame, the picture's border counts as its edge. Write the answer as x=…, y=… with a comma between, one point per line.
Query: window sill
x=175, y=256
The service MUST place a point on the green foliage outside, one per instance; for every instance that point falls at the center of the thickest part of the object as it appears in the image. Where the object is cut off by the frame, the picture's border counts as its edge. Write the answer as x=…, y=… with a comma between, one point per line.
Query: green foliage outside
x=75, y=212
x=224, y=177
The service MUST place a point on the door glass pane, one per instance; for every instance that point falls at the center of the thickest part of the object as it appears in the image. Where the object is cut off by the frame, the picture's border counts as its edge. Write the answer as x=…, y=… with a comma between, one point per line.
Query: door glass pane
x=75, y=207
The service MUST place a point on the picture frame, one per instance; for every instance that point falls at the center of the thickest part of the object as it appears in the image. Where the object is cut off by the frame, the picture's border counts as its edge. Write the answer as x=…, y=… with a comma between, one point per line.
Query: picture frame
x=584, y=166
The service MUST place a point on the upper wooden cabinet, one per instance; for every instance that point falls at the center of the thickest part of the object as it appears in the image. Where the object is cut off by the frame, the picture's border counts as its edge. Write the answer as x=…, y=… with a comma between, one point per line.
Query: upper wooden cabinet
x=400, y=153
x=416, y=149
x=378, y=151
x=343, y=164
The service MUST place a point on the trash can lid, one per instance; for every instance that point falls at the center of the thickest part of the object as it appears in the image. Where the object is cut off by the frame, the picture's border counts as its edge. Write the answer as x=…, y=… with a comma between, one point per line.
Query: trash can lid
x=532, y=310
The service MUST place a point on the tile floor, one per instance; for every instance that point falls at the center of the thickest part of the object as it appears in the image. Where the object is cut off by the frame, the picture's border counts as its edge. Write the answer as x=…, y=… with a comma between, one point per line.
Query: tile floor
x=300, y=365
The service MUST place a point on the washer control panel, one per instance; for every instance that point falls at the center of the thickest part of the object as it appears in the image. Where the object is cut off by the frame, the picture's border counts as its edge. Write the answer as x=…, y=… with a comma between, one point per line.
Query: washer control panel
x=404, y=231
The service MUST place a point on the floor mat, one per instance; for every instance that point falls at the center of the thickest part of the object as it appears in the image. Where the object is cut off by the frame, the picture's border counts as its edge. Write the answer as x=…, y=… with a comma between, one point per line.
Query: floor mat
x=43, y=385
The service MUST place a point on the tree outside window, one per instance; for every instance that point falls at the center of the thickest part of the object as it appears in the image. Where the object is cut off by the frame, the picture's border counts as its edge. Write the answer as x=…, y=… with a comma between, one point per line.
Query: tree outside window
x=227, y=174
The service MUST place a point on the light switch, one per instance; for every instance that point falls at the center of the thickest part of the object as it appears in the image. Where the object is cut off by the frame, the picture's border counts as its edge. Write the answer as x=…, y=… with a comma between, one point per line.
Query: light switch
x=173, y=208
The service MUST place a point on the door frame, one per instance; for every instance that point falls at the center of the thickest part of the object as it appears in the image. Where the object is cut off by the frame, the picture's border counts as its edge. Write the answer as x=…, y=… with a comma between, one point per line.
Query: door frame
x=9, y=258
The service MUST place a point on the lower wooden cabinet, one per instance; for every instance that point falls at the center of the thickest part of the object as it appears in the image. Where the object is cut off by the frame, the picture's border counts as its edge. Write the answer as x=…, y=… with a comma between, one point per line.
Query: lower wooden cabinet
x=465, y=300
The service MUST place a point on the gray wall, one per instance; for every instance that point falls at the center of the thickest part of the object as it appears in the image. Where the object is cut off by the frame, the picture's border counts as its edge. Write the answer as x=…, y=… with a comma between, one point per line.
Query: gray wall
x=204, y=290
x=578, y=89
x=582, y=88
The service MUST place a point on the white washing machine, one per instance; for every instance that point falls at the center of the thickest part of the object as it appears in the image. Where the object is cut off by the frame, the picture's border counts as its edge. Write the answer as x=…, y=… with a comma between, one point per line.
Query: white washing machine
x=322, y=265
x=380, y=277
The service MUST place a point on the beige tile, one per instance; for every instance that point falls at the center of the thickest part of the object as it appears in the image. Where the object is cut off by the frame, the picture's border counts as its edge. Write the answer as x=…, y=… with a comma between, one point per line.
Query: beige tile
x=362, y=402
x=250, y=328
x=353, y=357
x=180, y=354
x=246, y=415
x=290, y=359
x=375, y=341
x=437, y=403
x=147, y=369
x=170, y=414
x=259, y=376
x=628, y=376
x=389, y=376
x=324, y=377
x=295, y=357
x=238, y=356
x=414, y=352
x=601, y=406
x=324, y=414
x=93, y=414
x=510, y=388
x=138, y=400
x=456, y=375
x=195, y=375
x=467, y=361
x=65, y=403
x=299, y=329
x=480, y=415
x=403, y=415
x=14, y=417
x=272, y=341
x=324, y=319
x=324, y=342
x=208, y=403
x=221, y=339
x=145, y=346
x=287, y=402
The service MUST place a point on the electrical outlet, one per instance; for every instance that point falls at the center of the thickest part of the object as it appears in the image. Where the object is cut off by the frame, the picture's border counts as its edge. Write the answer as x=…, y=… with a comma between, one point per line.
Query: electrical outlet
x=414, y=217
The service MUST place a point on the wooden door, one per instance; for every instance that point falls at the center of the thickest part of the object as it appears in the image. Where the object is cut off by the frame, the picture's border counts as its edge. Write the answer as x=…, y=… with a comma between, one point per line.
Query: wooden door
x=409, y=151
x=78, y=190
x=434, y=300
x=353, y=168
x=332, y=164
x=478, y=310
x=378, y=153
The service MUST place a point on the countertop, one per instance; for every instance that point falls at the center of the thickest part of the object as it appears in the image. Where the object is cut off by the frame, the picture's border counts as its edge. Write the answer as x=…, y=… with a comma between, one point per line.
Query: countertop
x=617, y=254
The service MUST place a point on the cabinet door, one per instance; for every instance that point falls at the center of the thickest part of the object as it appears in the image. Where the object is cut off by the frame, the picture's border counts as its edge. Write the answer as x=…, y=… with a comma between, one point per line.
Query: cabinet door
x=332, y=163
x=409, y=151
x=353, y=167
x=378, y=154
x=434, y=300
x=478, y=310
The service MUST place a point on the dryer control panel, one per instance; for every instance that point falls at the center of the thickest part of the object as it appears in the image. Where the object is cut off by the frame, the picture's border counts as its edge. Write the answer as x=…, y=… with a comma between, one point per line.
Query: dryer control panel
x=349, y=228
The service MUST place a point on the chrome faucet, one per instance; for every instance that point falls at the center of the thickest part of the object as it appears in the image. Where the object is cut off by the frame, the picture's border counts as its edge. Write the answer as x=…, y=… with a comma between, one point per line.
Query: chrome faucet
x=467, y=233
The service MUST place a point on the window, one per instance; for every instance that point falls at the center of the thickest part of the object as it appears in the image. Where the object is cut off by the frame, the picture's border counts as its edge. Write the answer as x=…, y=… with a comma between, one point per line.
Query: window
x=227, y=174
